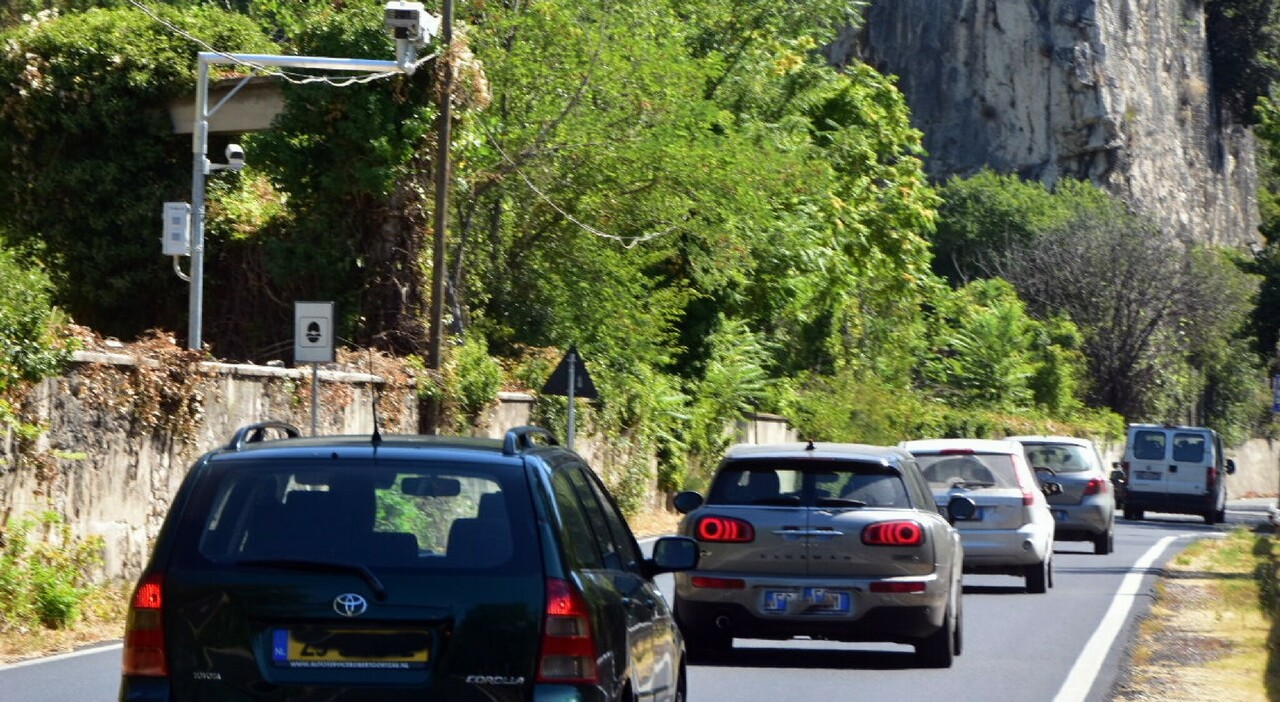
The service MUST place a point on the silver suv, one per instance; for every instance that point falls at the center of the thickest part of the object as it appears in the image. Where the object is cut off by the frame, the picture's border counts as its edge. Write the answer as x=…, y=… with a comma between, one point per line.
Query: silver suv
x=830, y=541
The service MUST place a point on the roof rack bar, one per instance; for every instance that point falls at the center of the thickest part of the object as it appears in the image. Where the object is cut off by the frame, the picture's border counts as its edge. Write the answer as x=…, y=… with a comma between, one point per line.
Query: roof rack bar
x=520, y=438
x=253, y=433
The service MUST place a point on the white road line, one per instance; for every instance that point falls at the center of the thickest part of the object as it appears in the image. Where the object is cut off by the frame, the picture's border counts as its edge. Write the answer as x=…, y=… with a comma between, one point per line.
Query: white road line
x=61, y=656
x=1089, y=663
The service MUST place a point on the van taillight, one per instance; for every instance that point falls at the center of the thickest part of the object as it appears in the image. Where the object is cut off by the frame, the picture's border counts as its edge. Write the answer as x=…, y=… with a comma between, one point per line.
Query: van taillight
x=1211, y=478
x=568, y=643
x=899, y=533
x=1095, y=486
x=144, y=631
x=725, y=529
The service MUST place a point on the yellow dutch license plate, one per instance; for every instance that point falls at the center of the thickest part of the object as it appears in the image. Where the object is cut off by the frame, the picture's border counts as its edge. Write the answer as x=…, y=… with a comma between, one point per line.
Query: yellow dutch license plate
x=315, y=647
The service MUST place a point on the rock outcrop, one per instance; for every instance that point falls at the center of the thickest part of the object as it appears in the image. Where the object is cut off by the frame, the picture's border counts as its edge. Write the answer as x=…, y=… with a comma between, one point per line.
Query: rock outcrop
x=1114, y=91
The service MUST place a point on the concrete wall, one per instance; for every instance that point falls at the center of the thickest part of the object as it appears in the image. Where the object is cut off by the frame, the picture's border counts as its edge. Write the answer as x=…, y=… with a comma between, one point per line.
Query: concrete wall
x=113, y=473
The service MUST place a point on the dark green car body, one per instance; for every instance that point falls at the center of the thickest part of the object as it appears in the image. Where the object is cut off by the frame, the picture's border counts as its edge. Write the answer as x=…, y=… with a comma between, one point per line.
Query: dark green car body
x=400, y=568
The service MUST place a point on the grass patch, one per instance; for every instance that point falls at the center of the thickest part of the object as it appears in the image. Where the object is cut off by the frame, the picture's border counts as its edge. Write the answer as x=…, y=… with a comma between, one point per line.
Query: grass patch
x=1235, y=618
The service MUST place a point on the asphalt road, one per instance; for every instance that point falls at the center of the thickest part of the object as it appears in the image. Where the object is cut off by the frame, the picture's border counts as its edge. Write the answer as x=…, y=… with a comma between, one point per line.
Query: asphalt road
x=1017, y=646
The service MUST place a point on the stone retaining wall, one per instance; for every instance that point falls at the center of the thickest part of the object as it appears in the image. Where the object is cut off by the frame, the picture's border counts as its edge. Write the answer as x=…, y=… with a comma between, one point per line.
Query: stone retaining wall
x=113, y=472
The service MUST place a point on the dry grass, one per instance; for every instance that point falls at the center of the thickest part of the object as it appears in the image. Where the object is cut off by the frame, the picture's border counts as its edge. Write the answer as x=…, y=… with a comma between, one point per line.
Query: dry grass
x=1206, y=635
x=102, y=619
x=654, y=523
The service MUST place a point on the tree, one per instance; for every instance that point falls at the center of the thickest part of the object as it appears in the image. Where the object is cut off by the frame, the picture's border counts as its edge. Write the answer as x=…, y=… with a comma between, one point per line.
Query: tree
x=1144, y=302
x=90, y=154
x=1244, y=52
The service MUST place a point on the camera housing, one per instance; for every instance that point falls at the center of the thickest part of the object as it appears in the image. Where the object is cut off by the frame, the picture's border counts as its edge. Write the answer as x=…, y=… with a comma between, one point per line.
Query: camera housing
x=410, y=21
x=235, y=157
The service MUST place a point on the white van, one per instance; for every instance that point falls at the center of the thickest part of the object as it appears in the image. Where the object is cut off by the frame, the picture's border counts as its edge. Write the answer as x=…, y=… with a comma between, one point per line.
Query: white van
x=1181, y=470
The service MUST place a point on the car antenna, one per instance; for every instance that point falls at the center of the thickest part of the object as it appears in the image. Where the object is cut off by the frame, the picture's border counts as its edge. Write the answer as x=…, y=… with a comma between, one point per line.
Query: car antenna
x=376, y=439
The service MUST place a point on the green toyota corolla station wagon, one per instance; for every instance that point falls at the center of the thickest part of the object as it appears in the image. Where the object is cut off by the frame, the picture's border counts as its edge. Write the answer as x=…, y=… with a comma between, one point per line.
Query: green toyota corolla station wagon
x=400, y=568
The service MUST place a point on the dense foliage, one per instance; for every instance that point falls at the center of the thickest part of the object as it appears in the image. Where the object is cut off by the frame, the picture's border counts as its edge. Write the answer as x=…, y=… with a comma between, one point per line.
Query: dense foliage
x=1163, y=323
x=719, y=220
x=91, y=154
x=1244, y=52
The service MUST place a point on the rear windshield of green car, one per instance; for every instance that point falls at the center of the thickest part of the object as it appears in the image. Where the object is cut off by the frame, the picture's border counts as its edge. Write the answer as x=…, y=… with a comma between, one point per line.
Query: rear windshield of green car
x=383, y=517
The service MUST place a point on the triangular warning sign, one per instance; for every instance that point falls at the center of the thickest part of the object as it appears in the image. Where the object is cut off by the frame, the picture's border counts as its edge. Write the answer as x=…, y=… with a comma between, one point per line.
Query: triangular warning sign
x=558, y=383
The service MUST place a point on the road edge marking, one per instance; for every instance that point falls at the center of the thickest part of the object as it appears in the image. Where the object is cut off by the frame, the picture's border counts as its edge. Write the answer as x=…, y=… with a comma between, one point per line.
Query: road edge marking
x=1084, y=672
x=61, y=656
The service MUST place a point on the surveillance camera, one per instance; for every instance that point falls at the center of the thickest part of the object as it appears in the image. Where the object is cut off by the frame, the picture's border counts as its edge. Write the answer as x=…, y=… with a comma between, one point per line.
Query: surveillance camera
x=410, y=20
x=235, y=156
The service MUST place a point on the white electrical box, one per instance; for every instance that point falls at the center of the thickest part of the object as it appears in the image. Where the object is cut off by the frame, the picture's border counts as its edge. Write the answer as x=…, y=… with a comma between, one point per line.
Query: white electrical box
x=177, y=229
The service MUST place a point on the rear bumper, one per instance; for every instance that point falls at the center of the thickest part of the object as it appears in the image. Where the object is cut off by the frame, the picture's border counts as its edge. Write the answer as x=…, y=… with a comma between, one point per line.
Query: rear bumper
x=896, y=617
x=895, y=624
x=989, y=550
x=1173, y=504
x=1084, y=521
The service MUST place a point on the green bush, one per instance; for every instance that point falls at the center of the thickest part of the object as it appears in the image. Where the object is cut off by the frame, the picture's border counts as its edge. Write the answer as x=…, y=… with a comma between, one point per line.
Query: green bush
x=44, y=572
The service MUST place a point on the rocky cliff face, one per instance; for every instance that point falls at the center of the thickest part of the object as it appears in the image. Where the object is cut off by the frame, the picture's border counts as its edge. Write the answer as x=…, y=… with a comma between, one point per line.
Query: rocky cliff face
x=1114, y=91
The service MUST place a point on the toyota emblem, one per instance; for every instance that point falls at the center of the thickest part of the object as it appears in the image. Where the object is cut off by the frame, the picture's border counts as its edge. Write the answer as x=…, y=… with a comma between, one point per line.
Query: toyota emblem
x=350, y=604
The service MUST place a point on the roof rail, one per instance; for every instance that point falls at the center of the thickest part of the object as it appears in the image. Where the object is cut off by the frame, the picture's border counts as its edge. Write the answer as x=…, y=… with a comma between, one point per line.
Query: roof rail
x=520, y=438
x=253, y=433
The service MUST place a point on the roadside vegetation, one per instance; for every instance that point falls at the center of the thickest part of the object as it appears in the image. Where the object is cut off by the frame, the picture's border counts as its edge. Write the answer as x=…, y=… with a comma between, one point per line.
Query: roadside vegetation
x=719, y=220
x=1213, y=629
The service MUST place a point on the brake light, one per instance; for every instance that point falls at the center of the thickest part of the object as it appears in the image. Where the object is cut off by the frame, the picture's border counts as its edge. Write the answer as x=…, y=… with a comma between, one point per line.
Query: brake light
x=1095, y=486
x=897, y=588
x=144, y=633
x=718, y=583
x=1020, y=469
x=899, y=533
x=954, y=451
x=1211, y=478
x=725, y=529
x=568, y=644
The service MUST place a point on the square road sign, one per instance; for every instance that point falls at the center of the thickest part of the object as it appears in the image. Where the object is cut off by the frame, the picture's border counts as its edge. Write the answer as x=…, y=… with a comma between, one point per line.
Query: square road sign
x=313, y=332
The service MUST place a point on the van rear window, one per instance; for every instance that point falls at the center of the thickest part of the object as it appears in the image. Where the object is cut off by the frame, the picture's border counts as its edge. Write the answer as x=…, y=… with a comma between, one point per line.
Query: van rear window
x=406, y=517
x=1188, y=448
x=1149, y=445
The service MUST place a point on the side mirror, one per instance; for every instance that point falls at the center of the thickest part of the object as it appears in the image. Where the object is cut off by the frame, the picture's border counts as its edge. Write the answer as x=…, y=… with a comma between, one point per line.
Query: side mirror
x=1231, y=467
x=960, y=508
x=673, y=553
x=687, y=501
x=1117, y=477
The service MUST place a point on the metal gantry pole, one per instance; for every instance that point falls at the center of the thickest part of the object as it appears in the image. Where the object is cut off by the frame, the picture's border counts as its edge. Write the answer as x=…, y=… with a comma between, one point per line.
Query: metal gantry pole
x=200, y=165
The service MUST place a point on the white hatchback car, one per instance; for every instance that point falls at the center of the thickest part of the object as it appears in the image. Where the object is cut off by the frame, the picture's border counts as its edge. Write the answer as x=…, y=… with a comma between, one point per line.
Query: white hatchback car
x=1012, y=531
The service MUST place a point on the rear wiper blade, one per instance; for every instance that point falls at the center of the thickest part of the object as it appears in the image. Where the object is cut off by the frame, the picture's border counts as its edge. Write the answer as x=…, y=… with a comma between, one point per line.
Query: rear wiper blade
x=781, y=500
x=971, y=484
x=840, y=502
x=379, y=591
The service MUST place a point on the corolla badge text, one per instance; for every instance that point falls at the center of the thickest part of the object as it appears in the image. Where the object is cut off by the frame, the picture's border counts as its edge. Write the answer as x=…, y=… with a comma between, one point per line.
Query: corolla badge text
x=494, y=680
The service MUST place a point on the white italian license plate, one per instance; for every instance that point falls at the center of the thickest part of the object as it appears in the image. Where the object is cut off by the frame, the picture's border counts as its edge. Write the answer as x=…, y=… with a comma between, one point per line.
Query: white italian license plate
x=809, y=600
x=1147, y=475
